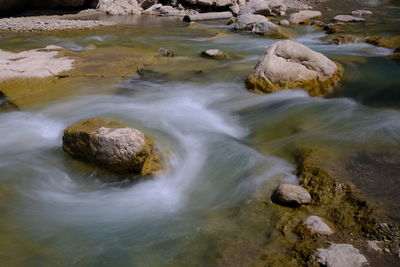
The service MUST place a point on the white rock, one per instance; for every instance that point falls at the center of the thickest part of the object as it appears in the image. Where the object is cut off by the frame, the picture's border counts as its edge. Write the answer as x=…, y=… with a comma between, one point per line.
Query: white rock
x=111, y=146
x=373, y=244
x=347, y=18
x=214, y=54
x=341, y=255
x=284, y=22
x=268, y=28
x=262, y=7
x=304, y=16
x=247, y=21
x=38, y=63
x=292, y=194
x=287, y=64
x=119, y=7
x=359, y=13
x=317, y=226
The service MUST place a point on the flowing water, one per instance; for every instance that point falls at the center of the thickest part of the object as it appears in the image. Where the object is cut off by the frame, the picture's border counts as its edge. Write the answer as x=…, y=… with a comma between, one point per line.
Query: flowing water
x=221, y=142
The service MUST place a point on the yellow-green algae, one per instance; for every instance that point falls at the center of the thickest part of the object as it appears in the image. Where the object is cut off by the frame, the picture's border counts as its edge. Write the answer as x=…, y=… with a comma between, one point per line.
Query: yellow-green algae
x=262, y=233
x=314, y=88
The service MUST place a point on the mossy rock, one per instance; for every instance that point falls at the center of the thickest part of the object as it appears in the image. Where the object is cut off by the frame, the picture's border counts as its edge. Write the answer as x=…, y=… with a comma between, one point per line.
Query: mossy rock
x=112, y=145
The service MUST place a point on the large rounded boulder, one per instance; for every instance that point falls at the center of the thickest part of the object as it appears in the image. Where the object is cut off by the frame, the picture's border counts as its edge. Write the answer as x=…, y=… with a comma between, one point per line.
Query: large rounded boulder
x=111, y=145
x=287, y=64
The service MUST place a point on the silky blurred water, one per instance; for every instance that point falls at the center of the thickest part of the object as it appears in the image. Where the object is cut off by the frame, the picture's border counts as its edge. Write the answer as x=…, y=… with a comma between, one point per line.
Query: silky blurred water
x=221, y=143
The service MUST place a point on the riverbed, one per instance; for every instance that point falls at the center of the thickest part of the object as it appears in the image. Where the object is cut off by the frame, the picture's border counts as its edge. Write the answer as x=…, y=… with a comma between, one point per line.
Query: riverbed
x=222, y=143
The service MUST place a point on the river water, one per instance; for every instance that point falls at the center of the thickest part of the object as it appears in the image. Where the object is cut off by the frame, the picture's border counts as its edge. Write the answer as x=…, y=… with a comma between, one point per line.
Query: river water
x=221, y=142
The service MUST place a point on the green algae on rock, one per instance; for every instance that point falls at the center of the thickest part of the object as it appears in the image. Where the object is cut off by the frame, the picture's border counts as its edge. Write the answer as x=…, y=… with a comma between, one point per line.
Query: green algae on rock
x=111, y=145
x=287, y=64
x=392, y=42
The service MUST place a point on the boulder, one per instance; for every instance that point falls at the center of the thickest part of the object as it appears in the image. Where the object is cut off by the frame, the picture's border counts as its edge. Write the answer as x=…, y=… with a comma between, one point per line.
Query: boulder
x=247, y=21
x=267, y=28
x=316, y=225
x=214, y=54
x=262, y=7
x=291, y=194
x=340, y=255
x=284, y=22
x=119, y=7
x=287, y=64
x=208, y=16
x=110, y=145
x=169, y=11
x=359, y=13
x=347, y=18
x=218, y=3
x=304, y=16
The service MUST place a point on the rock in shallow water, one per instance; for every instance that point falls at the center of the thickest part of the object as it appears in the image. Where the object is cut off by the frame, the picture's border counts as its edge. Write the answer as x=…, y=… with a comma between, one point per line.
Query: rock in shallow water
x=291, y=194
x=304, y=16
x=317, y=226
x=341, y=255
x=214, y=54
x=287, y=64
x=347, y=18
x=110, y=145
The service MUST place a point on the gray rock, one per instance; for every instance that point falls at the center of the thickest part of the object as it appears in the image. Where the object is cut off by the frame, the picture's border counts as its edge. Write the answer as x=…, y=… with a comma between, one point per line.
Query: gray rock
x=119, y=7
x=317, y=226
x=304, y=16
x=341, y=255
x=165, y=52
x=169, y=11
x=110, y=145
x=287, y=64
x=262, y=7
x=267, y=28
x=208, y=16
x=247, y=21
x=374, y=245
x=214, y=54
x=359, y=13
x=284, y=22
x=347, y=18
x=291, y=194
x=218, y=3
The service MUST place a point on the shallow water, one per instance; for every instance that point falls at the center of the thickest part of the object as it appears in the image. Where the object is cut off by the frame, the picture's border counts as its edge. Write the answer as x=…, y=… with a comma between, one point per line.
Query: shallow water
x=221, y=142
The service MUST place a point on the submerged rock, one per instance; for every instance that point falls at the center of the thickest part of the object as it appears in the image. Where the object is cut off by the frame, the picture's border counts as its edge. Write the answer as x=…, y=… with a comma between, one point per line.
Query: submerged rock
x=119, y=7
x=359, y=13
x=304, y=16
x=347, y=18
x=341, y=255
x=291, y=194
x=287, y=64
x=214, y=54
x=111, y=145
x=165, y=52
x=316, y=225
